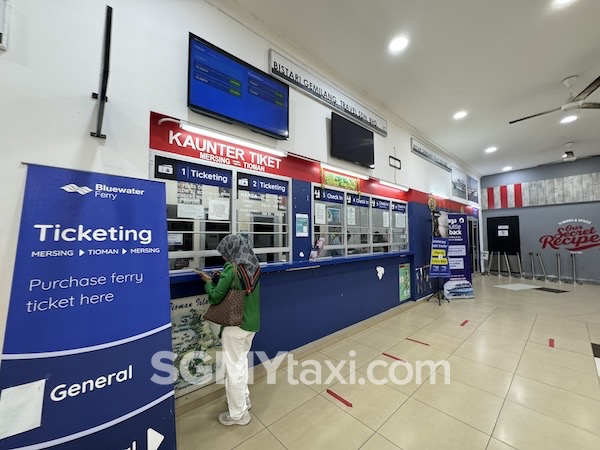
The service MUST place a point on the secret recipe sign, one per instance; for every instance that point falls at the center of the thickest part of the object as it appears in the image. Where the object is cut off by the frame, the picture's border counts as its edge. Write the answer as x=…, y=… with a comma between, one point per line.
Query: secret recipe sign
x=573, y=235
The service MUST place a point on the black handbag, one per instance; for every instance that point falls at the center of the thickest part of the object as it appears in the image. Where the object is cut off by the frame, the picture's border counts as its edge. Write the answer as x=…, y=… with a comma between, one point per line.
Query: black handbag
x=230, y=311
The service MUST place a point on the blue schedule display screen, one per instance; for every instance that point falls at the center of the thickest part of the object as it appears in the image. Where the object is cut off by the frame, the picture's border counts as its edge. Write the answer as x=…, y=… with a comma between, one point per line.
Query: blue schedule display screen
x=88, y=317
x=223, y=86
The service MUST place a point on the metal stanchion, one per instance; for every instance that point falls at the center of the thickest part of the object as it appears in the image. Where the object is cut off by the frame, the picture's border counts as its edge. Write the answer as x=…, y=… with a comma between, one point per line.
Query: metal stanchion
x=507, y=265
x=491, y=258
x=542, y=266
x=558, y=267
x=520, y=268
x=574, y=268
x=499, y=273
x=532, y=266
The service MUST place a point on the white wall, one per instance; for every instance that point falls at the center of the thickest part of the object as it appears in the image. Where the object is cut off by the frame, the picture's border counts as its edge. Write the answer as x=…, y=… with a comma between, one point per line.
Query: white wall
x=53, y=64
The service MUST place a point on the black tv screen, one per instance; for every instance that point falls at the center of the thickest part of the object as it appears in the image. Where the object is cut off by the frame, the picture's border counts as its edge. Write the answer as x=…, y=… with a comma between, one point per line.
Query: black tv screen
x=352, y=142
x=225, y=87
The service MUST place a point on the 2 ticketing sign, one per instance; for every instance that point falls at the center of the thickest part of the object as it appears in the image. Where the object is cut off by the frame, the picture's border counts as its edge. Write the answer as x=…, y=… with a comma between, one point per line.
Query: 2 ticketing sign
x=89, y=309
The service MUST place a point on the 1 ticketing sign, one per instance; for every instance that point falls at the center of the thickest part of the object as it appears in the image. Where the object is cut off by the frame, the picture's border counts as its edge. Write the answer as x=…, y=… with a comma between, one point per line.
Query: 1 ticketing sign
x=89, y=311
x=176, y=170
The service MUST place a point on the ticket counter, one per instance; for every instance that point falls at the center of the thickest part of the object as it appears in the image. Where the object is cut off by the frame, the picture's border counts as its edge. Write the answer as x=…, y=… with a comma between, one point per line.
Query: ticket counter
x=303, y=302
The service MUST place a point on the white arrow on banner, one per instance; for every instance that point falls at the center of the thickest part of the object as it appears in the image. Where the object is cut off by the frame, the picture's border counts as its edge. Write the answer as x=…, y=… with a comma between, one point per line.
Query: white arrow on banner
x=154, y=439
x=81, y=253
x=123, y=251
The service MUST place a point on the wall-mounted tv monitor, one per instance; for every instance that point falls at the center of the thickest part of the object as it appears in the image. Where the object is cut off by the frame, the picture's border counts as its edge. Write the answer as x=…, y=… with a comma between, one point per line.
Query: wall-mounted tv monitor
x=352, y=142
x=225, y=87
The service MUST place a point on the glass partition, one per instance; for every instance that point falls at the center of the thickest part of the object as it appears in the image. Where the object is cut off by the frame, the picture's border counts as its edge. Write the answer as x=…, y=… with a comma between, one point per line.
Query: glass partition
x=399, y=224
x=359, y=224
x=204, y=203
x=262, y=216
x=347, y=223
x=328, y=221
x=380, y=213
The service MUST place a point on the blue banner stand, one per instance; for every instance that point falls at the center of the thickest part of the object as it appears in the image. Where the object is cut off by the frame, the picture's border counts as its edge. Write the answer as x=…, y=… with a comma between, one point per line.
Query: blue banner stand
x=439, y=267
x=88, y=314
x=459, y=285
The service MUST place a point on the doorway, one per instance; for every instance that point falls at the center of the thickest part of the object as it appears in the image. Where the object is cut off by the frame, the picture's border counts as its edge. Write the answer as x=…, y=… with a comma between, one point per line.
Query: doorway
x=503, y=235
x=474, y=253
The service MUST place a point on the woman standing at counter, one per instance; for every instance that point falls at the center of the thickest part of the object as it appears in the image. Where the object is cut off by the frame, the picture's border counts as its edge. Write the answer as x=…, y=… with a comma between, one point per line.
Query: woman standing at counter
x=236, y=341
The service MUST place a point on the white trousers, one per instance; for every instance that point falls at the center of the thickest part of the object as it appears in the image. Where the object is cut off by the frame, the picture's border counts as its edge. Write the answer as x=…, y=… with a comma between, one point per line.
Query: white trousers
x=236, y=345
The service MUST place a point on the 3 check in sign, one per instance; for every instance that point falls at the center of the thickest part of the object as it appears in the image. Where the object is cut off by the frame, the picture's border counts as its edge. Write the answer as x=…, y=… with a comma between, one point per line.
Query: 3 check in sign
x=89, y=309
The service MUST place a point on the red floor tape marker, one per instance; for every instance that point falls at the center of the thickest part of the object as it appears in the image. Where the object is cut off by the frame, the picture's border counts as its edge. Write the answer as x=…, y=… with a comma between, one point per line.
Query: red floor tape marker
x=393, y=357
x=418, y=342
x=464, y=323
x=343, y=400
x=551, y=342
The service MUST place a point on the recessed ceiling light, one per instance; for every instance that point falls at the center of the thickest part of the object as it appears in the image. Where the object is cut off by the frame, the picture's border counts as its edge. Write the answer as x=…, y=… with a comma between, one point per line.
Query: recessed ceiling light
x=569, y=119
x=506, y=169
x=460, y=115
x=398, y=44
x=491, y=149
x=562, y=3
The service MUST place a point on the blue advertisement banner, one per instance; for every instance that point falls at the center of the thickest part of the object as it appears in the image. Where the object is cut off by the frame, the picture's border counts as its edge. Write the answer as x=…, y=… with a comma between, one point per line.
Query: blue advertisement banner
x=458, y=247
x=440, y=267
x=327, y=195
x=89, y=310
x=262, y=185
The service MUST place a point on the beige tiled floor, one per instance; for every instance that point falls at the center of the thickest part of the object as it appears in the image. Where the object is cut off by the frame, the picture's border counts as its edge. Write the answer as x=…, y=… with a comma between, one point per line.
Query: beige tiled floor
x=507, y=387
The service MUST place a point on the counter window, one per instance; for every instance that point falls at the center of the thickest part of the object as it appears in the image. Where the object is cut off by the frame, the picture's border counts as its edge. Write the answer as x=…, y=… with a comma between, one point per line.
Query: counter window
x=328, y=221
x=354, y=224
x=380, y=213
x=358, y=231
x=262, y=216
x=198, y=211
x=399, y=227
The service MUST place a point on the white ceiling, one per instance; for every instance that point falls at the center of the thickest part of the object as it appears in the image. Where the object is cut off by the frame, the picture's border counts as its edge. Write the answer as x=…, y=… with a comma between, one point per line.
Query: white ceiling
x=500, y=60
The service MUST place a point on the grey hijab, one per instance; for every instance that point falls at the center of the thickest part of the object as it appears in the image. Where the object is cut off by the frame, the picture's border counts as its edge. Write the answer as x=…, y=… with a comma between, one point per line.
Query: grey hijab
x=236, y=249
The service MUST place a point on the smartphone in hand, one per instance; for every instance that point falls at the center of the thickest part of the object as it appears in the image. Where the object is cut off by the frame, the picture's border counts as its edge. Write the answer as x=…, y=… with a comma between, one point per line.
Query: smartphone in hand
x=205, y=276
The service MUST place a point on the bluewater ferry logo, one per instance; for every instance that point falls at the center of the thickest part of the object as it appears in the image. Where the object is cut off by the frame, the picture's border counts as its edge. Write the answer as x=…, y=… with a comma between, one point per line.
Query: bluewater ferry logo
x=82, y=190
x=102, y=190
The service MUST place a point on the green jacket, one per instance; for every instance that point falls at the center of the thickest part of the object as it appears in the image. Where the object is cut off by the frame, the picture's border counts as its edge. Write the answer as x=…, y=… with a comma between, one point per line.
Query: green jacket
x=216, y=294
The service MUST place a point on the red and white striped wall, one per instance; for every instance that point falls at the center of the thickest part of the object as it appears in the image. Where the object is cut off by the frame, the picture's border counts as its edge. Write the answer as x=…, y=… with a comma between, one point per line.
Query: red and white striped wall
x=500, y=197
x=554, y=191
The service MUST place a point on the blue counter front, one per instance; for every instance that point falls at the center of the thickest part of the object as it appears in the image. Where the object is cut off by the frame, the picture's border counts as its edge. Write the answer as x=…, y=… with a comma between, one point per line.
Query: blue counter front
x=303, y=302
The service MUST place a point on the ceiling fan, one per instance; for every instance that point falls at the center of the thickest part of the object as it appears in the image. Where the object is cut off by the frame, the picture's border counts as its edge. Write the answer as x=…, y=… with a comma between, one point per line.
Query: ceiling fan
x=576, y=102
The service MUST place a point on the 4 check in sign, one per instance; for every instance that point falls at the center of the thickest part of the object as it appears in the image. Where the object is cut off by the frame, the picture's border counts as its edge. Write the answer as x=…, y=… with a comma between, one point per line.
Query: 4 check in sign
x=89, y=308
